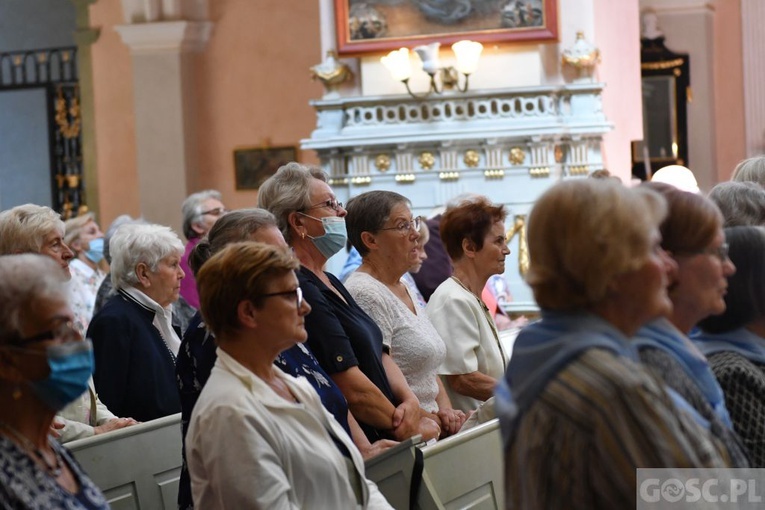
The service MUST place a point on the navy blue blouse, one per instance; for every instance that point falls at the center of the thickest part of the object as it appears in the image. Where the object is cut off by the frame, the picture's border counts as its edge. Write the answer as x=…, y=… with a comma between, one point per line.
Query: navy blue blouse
x=341, y=336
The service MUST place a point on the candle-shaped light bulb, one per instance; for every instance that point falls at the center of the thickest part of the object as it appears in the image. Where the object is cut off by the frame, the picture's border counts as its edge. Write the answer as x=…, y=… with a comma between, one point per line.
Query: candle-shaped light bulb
x=428, y=54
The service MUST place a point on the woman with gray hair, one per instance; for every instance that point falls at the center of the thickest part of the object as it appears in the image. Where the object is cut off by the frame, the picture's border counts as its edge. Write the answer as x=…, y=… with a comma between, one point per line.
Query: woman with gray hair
x=44, y=365
x=200, y=212
x=38, y=229
x=575, y=405
x=345, y=340
x=134, y=342
x=750, y=170
x=741, y=203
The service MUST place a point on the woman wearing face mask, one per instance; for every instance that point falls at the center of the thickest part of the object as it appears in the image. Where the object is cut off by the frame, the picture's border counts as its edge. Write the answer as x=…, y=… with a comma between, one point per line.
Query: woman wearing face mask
x=37, y=229
x=84, y=237
x=345, y=340
x=44, y=365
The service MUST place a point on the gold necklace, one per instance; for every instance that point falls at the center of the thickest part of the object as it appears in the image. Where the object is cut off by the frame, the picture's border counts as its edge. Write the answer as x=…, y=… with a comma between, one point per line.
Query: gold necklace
x=53, y=470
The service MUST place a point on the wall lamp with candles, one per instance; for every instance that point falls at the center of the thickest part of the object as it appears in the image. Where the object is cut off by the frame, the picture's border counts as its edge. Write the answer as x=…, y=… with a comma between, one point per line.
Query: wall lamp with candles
x=467, y=54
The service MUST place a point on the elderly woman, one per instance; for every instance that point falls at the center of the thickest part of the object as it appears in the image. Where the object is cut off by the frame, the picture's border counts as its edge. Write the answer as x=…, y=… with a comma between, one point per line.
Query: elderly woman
x=692, y=233
x=575, y=400
x=33, y=228
x=134, y=342
x=197, y=353
x=37, y=229
x=741, y=203
x=345, y=340
x=44, y=365
x=750, y=170
x=200, y=212
x=473, y=233
x=260, y=438
x=84, y=237
x=381, y=227
x=734, y=341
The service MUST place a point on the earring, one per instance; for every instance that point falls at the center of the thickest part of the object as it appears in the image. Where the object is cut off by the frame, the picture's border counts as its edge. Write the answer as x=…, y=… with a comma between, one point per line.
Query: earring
x=16, y=392
x=302, y=235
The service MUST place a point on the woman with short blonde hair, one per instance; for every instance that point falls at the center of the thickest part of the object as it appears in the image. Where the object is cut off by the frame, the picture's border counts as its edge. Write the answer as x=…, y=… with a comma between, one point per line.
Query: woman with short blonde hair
x=575, y=399
x=260, y=438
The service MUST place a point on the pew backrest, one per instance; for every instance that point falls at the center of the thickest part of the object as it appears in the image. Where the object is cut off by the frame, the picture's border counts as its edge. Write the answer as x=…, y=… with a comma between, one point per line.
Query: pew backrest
x=394, y=472
x=464, y=471
x=136, y=467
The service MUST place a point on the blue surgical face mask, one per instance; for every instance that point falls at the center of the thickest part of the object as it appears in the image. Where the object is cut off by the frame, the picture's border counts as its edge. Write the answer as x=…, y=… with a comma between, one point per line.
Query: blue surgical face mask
x=71, y=365
x=334, y=238
x=95, y=251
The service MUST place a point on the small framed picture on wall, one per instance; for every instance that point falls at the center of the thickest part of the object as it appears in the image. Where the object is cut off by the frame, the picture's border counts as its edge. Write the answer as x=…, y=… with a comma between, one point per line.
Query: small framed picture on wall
x=253, y=165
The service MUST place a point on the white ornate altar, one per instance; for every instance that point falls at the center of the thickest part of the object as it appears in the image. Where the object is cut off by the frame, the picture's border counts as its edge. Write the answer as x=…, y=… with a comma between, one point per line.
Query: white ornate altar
x=508, y=144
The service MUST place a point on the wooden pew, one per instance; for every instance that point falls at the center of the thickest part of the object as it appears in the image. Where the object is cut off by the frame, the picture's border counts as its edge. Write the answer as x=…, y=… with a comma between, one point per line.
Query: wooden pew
x=393, y=472
x=136, y=467
x=464, y=471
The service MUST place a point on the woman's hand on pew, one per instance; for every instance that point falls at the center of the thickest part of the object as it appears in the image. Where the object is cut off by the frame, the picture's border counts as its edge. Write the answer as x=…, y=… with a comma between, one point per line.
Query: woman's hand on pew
x=114, y=424
x=451, y=420
x=406, y=419
x=55, y=426
x=376, y=448
x=429, y=429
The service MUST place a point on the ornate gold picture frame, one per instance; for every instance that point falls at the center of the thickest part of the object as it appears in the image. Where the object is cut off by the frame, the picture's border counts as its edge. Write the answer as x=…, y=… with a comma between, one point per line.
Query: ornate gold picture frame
x=367, y=26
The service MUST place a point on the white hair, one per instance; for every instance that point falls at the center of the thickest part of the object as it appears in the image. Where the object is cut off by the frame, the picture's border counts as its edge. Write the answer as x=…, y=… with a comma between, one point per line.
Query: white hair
x=24, y=280
x=192, y=210
x=23, y=228
x=133, y=244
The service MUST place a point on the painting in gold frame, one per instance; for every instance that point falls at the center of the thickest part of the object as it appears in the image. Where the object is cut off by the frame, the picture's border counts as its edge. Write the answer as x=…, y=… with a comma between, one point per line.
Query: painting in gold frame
x=369, y=26
x=253, y=165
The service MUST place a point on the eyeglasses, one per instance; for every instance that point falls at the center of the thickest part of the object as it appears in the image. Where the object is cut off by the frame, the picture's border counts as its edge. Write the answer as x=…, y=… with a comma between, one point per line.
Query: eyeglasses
x=298, y=293
x=218, y=211
x=721, y=252
x=332, y=203
x=405, y=227
x=64, y=331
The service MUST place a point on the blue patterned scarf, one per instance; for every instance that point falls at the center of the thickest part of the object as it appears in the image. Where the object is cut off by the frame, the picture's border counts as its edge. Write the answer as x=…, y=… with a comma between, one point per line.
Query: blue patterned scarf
x=543, y=349
x=662, y=334
x=741, y=341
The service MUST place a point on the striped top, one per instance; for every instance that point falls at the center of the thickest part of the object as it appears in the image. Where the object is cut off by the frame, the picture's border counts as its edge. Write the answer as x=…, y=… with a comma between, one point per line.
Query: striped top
x=600, y=418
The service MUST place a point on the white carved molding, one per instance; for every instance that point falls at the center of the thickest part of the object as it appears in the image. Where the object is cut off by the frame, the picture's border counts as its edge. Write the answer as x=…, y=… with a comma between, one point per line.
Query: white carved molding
x=147, y=11
x=177, y=36
x=753, y=43
x=509, y=144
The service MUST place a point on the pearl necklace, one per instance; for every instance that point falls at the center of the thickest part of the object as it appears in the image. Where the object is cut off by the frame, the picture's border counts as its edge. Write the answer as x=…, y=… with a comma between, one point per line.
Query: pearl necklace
x=53, y=470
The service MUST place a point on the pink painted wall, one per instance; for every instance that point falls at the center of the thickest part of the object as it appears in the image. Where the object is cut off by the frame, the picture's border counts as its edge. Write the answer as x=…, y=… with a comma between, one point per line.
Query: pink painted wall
x=114, y=124
x=617, y=35
x=729, y=88
x=252, y=87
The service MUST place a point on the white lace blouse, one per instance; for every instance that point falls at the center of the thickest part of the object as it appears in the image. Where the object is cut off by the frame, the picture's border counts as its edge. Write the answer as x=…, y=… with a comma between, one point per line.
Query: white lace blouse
x=414, y=343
